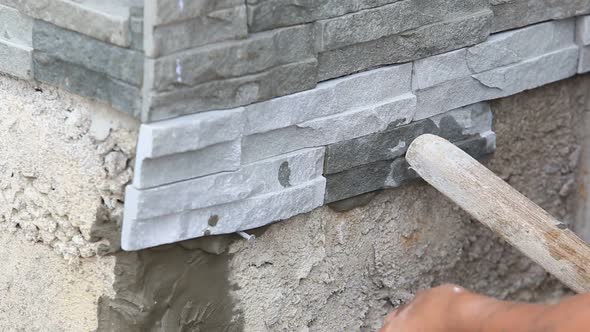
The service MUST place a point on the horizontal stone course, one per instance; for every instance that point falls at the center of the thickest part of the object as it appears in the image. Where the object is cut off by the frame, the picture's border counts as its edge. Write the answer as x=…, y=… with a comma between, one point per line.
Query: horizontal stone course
x=162, y=12
x=221, y=219
x=510, y=14
x=16, y=60
x=105, y=20
x=330, y=97
x=455, y=125
x=584, y=62
x=330, y=129
x=269, y=14
x=424, y=41
x=232, y=59
x=218, y=25
x=15, y=27
x=86, y=82
x=271, y=175
x=191, y=132
x=375, y=23
x=499, y=50
x=514, y=46
x=392, y=173
x=222, y=157
x=232, y=92
x=69, y=46
x=496, y=83
x=583, y=30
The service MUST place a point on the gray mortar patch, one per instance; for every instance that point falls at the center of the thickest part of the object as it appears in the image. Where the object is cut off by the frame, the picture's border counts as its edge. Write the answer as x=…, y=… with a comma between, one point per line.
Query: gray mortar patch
x=173, y=288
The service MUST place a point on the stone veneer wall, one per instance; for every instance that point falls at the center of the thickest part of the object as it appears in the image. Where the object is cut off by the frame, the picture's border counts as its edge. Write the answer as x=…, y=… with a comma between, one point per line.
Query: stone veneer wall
x=255, y=111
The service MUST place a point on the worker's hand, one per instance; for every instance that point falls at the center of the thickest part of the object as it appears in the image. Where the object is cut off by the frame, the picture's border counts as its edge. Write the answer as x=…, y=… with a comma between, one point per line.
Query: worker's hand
x=439, y=309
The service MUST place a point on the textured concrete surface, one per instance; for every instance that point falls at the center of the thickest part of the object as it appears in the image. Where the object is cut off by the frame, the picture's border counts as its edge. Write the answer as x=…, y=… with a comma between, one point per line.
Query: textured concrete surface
x=65, y=162
x=42, y=292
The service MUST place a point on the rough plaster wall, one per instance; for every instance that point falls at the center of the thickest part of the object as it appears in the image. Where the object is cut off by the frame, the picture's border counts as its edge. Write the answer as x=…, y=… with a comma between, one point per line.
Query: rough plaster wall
x=40, y=291
x=64, y=162
x=327, y=271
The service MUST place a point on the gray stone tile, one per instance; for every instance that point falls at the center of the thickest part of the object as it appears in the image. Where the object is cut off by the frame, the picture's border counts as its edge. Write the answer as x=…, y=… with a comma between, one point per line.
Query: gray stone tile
x=510, y=14
x=334, y=96
x=425, y=41
x=497, y=83
x=15, y=27
x=222, y=24
x=217, y=158
x=162, y=12
x=455, y=125
x=72, y=47
x=373, y=24
x=230, y=93
x=16, y=60
x=187, y=133
x=330, y=129
x=257, y=53
x=392, y=173
x=105, y=20
x=221, y=219
x=82, y=81
x=270, y=14
x=583, y=30
x=271, y=175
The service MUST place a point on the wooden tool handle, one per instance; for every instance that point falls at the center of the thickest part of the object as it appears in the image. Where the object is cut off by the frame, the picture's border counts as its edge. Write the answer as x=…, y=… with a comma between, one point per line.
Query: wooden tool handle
x=507, y=212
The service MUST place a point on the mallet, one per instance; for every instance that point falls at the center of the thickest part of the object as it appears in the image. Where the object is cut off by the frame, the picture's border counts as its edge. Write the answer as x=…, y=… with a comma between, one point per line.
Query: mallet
x=507, y=212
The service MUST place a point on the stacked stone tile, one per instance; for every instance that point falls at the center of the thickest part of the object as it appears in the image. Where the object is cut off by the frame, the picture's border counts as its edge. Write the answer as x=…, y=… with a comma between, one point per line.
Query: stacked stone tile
x=16, y=44
x=583, y=39
x=258, y=110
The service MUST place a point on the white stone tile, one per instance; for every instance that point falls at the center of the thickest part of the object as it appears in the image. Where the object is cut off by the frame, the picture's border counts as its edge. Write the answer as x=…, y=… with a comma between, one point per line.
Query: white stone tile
x=228, y=218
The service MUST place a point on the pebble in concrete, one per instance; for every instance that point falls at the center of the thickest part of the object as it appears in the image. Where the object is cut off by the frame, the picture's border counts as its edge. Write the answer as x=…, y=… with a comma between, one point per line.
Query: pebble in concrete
x=267, y=176
x=245, y=214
